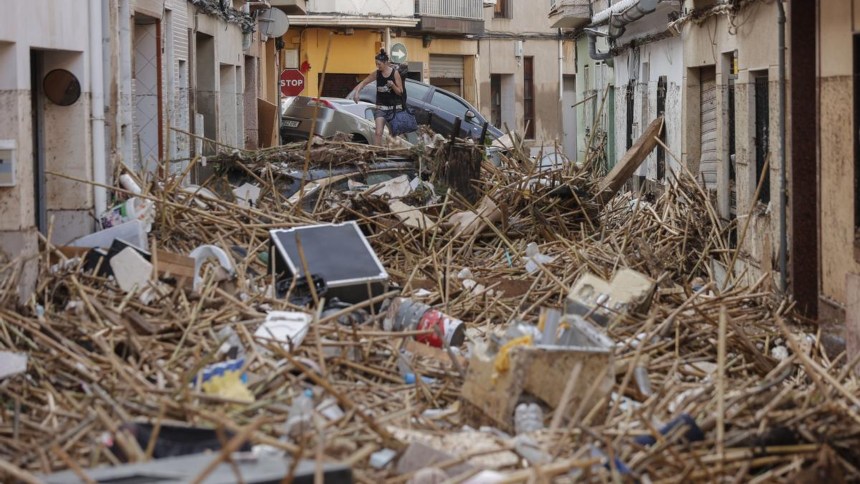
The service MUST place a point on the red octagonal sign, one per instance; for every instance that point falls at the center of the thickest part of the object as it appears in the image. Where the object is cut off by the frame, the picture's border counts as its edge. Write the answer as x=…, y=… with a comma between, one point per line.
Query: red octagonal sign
x=292, y=82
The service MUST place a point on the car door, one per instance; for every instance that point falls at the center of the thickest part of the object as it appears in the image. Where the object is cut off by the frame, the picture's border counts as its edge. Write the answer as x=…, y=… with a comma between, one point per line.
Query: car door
x=448, y=102
x=417, y=95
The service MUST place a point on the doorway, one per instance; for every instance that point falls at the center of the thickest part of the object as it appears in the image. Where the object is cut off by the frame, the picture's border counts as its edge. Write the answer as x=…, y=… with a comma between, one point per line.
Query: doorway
x=568, y=116
x=762, y=141
x=37, y=99
x=146, y=81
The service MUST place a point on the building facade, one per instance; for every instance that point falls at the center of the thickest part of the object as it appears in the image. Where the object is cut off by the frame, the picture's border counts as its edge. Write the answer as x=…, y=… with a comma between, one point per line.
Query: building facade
x=528, y=76
x=107, y=85
x=499, y=56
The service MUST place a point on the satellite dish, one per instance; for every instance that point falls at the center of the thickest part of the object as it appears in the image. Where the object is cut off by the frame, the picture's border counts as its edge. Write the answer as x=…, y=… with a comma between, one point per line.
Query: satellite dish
x=273, y=22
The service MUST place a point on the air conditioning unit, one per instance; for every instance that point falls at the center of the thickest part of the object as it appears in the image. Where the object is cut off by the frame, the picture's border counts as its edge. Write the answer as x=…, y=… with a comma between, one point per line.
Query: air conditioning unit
x=489, y=3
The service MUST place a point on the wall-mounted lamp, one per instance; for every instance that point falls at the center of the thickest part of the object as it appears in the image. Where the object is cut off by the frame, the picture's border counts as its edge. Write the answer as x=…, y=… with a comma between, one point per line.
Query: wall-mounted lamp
x=425, y=40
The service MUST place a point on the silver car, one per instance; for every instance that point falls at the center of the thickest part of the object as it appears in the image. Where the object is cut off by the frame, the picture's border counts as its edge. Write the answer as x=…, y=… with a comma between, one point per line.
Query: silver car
x=331, y=118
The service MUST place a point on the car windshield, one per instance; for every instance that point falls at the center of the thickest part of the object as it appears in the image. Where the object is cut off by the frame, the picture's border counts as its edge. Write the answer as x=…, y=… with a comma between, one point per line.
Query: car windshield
x=415, y=90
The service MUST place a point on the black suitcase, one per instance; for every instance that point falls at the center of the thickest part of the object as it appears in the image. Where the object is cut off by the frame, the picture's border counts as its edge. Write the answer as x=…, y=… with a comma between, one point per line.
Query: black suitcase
x=339, y=254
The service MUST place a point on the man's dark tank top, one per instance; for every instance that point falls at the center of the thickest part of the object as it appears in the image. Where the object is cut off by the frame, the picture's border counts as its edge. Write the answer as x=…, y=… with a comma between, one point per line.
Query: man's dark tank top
x=385, y=96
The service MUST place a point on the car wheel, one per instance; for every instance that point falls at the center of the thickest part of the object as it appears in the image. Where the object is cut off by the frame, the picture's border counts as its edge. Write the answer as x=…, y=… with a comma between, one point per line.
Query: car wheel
x=357, y=138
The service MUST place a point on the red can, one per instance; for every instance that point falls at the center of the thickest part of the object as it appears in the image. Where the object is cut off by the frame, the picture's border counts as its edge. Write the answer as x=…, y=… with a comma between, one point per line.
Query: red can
x=445, y=329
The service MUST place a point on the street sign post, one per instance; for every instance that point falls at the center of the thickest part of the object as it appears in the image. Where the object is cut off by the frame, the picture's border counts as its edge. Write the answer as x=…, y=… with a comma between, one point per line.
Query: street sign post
x=398, y=53
x=292, y=82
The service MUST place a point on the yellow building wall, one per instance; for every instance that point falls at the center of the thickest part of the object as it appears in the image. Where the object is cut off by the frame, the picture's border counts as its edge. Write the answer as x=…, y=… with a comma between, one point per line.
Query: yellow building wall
x=354, y=54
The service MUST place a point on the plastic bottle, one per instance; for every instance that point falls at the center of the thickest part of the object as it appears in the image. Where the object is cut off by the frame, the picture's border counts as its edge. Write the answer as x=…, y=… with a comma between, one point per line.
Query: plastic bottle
x=643, y=382
x=300, y=419
x=404, y=314
x=127, y=182
x=528, y=417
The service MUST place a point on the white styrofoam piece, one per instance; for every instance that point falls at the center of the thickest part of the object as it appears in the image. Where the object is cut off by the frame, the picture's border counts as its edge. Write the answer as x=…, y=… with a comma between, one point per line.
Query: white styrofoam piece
x=12, y=363
x=288, y=328
x=131, y=270
x=247, y=194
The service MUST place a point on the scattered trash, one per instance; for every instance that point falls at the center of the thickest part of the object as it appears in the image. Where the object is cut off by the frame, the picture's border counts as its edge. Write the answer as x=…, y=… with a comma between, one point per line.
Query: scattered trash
x=528, y=417
x=419, y=456
x=493, y=390
x=428, y=475
x=131, y=270
x=603, y=301
x=779, y=352
x=640, y=374
x=172, y=440
x=475, y=222
x=530, y=450
x=301, y=416
x=134, y=208
x=404, y=314
x=12, y=364
x=286, y=328
x=227, y=380
x=205, y=252
x=381, y=459
x=127, y=181
x=338, y=253
x=247, y=194
x=133, y=232
x=534, y=258
x=187, y=468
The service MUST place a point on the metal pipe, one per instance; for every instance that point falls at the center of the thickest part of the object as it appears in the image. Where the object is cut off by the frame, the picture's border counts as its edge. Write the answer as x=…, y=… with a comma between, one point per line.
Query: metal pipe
x=592, y=47
x=618, y=21
x=97, y=107
x=603, y=15
x=561, y=85
x=783, y=232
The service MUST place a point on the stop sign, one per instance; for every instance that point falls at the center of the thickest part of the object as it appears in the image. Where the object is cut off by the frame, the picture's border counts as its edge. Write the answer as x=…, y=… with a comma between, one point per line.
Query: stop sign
x=292, y=82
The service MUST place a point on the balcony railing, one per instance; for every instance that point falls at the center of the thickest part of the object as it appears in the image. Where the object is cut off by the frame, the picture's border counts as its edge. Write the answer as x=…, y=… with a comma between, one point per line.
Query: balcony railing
x=467, y=9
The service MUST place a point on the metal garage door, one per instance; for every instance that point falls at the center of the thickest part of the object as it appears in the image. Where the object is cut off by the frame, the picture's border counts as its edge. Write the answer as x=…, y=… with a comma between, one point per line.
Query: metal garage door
x=450, y=66
x=708, y=165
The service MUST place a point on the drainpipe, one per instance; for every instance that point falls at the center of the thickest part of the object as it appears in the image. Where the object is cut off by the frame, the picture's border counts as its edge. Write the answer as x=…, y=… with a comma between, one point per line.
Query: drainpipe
x=388, y=40
x=618, y=16
x=561, y=85
x=783, y=235
x=125, y=108
x=592, y=46
x=97, y=106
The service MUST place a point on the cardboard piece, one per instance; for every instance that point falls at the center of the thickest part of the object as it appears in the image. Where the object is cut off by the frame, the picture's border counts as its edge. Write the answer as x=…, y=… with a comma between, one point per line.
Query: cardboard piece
x=537, y=372
x=267, y=120
x=603, y=301
x=411, y=216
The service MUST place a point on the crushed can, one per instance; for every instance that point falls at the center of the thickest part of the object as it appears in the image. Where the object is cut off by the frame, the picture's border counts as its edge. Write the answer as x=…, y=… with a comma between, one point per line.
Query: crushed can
x=405, y=314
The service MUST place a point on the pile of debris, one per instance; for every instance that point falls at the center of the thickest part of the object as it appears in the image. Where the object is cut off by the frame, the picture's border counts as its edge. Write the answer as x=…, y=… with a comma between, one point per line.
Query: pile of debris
x=417, y=316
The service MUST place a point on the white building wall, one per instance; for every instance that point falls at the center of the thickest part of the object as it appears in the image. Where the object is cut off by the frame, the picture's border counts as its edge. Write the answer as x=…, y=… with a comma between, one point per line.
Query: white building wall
x=59, y=31
x=646, y=64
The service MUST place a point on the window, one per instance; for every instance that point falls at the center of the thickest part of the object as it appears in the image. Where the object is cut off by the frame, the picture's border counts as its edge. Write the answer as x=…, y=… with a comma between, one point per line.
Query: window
x=502, y=9
x=450, y=104
x=496, y=99
x=761, y=135
x=661, y=111
x=528, y=97
x=416, y=91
